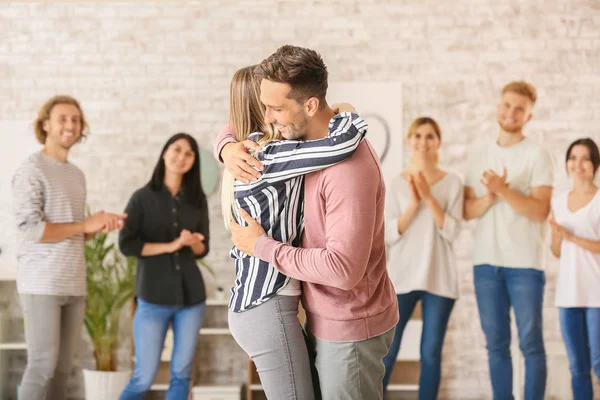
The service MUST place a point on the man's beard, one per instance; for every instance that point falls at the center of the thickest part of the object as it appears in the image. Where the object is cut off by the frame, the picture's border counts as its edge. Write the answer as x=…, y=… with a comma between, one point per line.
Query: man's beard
x=510, y=129
x=298, y=130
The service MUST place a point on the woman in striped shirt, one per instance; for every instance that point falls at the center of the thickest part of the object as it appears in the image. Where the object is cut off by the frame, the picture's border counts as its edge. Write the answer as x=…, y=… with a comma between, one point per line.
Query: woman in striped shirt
x=264, y=303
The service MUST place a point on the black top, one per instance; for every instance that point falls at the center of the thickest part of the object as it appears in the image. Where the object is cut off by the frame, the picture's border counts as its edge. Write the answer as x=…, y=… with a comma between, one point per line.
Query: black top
x=158, y=217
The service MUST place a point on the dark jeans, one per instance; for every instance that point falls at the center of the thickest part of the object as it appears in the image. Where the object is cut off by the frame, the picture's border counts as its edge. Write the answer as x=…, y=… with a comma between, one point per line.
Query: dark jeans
x=580, y=329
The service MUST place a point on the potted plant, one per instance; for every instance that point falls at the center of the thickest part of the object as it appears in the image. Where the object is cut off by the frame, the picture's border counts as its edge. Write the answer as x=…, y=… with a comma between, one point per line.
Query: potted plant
x=110, y=286
x=219, y=290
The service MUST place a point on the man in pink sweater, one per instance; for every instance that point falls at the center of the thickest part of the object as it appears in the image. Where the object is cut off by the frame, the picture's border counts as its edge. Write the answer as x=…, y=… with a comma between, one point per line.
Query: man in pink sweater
x=350, y=303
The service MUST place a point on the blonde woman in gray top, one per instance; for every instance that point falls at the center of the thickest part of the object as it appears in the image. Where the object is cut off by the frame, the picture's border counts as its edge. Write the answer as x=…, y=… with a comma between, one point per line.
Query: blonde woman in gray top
x=423, y=213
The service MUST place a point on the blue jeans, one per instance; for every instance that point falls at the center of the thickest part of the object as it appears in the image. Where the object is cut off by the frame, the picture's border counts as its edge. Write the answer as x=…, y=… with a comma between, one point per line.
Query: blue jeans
x=497, y=289
x=150, y=325
x=580, y=329
x=436, y=313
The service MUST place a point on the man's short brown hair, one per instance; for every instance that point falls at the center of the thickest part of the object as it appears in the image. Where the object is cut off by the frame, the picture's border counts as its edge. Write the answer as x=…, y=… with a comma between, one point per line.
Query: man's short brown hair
x=523, y=88
x=44, y=115
x=301, y=68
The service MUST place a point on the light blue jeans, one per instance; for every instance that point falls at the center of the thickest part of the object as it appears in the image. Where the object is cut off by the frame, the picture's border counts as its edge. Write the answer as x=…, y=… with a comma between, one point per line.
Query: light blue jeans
x=496, y=290
x=150, y=325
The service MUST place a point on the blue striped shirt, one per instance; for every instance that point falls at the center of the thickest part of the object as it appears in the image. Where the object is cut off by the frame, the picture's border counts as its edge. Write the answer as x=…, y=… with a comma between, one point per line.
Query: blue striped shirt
x=275, y=200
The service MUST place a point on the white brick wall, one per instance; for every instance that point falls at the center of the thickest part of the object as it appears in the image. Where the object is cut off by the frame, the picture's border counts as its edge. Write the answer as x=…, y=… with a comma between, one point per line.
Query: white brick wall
x=145, y=71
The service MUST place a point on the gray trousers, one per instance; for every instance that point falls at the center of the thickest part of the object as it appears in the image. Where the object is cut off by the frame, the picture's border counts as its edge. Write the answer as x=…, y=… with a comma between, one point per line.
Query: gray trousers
x=272, y=337
x=52, y=332
x=349, y=370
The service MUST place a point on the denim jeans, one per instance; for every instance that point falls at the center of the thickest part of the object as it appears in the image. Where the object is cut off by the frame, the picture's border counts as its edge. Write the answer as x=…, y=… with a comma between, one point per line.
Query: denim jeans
x=497, y=289
x=436, y=313
x=150, y=325
x=580, y=329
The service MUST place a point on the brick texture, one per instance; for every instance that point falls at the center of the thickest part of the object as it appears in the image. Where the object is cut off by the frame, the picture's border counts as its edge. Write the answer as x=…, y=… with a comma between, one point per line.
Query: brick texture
x=143, y=71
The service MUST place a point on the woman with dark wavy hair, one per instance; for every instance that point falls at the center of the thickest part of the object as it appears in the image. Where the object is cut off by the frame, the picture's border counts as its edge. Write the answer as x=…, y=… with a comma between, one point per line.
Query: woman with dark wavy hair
x=167, y=230
x=575, y=226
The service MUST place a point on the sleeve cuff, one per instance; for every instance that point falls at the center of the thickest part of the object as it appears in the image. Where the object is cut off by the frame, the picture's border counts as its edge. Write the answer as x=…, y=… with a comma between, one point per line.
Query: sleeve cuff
x=265, y=247
x=547, y=182
x=36, y=233
x=225, y=136
x=133, y=248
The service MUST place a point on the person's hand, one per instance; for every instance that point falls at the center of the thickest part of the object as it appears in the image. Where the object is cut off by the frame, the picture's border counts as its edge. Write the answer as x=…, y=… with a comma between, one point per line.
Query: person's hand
x=415, y=198
x=185, y=237
x=103, y=221
x=343, y=107
x=560, y=230
x=115, y=222
x=421, y=185
x=245, y=237
x=176, y=245
x=493, y=182
x=242, y=165
x=191, y=238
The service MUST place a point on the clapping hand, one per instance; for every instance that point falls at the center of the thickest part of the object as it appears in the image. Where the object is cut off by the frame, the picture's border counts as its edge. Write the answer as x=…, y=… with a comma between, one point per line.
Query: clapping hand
x=560, y=230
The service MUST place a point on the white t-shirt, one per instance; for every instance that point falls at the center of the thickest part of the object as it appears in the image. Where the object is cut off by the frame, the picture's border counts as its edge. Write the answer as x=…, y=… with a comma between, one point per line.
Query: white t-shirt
x=505, y=238
x=579, y=274
x=422, y=258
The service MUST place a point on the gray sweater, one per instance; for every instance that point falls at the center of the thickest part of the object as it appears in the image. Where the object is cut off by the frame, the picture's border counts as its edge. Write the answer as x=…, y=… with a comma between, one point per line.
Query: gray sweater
x=47, y=190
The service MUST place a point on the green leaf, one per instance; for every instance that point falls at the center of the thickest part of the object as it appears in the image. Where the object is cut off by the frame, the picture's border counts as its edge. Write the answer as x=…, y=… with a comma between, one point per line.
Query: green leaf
x=110, y=284
x=207, y=267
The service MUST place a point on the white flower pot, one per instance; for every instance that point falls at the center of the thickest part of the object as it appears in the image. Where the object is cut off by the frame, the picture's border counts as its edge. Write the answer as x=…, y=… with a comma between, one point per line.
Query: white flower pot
x=102, y=385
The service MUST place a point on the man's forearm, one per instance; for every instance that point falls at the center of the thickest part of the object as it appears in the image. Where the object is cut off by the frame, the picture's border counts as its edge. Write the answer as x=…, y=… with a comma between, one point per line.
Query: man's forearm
x=476, y=207
x=532, y=208
x=320, y=266
x=58, y=232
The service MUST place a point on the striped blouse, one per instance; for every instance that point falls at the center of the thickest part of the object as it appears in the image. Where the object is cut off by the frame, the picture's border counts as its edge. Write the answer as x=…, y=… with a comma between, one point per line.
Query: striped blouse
x=275, y=200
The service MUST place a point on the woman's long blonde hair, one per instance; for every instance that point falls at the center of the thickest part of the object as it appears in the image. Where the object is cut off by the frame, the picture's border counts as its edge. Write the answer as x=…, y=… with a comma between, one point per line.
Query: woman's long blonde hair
x=247, y=115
